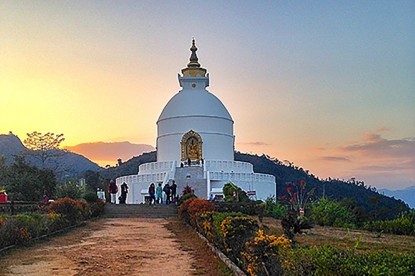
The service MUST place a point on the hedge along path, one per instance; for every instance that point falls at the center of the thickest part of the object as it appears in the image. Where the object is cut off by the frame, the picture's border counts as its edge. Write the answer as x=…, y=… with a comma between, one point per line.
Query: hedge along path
x=124, y=246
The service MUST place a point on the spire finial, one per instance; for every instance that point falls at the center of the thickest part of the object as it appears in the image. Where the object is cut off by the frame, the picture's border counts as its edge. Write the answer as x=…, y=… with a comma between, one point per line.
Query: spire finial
x=193, y=58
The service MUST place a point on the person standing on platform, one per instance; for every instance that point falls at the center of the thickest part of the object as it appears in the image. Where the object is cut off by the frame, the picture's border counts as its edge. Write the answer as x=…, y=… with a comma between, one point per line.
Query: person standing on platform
x=152, y=192
x=173, y=189
x=124, y=192
x=167, y=191
x=113, y=190
x=159, y=194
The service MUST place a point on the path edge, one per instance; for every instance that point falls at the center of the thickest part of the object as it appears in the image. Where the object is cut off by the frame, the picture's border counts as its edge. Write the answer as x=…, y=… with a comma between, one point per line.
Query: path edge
x=232, y=266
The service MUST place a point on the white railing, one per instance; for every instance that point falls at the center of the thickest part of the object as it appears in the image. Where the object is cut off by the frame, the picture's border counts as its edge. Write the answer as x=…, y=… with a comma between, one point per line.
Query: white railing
x=154, y=167
x=228, y=166
x=252, y=177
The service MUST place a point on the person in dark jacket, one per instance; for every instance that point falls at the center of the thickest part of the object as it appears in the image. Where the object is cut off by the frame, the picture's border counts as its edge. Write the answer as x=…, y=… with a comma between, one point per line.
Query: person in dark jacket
x=152, y=193
x=113, y=190
x=166, y=190
x=173, y=189
x=124, y=192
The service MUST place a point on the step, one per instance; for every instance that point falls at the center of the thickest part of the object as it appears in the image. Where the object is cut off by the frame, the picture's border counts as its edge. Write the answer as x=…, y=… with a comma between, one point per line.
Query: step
x=140, y=211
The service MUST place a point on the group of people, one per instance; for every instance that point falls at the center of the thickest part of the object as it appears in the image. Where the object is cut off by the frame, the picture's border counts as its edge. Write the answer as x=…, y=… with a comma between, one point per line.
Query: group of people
x=113, y=190
x=156, y=194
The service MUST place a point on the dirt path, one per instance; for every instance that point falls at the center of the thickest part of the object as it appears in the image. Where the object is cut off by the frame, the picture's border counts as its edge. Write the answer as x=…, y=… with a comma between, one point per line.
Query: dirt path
x=131, y=246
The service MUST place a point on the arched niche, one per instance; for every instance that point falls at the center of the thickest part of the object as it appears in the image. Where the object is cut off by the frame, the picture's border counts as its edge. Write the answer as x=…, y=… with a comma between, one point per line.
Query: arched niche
x=191, y=146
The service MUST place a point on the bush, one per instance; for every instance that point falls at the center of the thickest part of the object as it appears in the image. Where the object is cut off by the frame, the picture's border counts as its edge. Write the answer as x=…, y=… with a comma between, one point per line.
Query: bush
x=70, y=189
x=185, y=197
x=16, y=229
x=97, y=208
x=261, y=256
x=91, y=197
x=183, y=210
x=198, y=206
x=293, y=224
x=70, y=209
x=233, y=193
x=326, y=212
x=274, y=209
x=252, y=208
x=236, y=232
x=22, y=228
x=210, y=225
x=403, y=225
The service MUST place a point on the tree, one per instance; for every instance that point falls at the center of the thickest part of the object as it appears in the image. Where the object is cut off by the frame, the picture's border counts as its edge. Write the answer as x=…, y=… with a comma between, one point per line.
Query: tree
x=233, y=193
x=43, y=146
x=93, y=179
x=24, y=182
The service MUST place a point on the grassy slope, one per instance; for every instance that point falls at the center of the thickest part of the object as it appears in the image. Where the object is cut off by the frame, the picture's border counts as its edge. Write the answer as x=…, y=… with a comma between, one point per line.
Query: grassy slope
x=346, y=238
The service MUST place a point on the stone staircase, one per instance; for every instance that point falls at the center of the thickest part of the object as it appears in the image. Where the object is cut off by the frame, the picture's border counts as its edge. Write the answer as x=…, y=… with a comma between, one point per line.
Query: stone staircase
x=139, y=211
x=192, y=176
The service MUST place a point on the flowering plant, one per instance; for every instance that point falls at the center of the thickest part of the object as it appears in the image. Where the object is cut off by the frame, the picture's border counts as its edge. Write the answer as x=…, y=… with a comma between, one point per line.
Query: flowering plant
x=298, y=197
x=295, y=220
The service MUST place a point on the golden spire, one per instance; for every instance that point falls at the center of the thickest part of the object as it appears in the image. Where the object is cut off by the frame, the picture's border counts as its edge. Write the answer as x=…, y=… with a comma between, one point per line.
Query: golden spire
x=193, y=68
x=193, y=58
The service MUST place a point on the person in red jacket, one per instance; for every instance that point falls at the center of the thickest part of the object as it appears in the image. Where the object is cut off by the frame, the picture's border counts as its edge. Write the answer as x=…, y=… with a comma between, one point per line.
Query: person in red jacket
x=113, y=190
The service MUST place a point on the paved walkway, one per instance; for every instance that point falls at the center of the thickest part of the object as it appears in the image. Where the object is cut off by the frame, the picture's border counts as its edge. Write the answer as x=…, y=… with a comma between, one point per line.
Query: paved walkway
x=119, y=246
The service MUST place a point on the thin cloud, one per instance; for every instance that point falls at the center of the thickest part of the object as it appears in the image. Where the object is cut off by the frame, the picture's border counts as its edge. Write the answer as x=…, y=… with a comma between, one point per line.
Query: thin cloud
x=335, y=159
x=374, y=159
x=257, y=143
x=383, y=129
x=376, y=146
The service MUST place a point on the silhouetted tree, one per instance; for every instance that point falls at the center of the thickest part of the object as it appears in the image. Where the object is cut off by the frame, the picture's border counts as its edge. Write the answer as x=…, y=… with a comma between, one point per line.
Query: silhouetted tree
x=43, y=146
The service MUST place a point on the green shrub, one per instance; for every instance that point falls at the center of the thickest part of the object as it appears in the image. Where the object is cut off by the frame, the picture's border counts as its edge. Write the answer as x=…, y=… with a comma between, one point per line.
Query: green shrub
x=70, y=189
x=402, y=225
x=251, y=208
x=55, y=222
x=97, y=208
x=233, y=193
x=274, y=209
x=327, y=212
x=91, y=197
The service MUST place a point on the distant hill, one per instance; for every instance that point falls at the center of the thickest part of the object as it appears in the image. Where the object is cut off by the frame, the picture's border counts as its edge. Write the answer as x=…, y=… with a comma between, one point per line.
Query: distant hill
x=67, y=165
x=364, y=199
x=407, y=195
x=110, y=152
x=10, y=145
x=129, y=167
x=375, y=205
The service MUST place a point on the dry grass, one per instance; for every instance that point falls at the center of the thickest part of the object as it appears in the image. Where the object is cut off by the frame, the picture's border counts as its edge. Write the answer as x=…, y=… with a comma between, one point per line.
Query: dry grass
x=346, y=238
x=205, y=261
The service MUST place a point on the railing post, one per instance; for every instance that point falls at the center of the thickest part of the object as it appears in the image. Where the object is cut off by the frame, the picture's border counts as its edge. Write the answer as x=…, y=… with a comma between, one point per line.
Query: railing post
x=12, y=208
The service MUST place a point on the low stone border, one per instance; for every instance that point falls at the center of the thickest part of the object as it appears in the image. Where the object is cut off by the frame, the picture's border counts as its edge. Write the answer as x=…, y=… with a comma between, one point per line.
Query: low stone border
x=236, y=270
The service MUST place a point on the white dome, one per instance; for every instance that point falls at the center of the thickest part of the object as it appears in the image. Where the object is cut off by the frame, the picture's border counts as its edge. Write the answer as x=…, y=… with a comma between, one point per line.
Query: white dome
x=197, y=111
x=194, y=102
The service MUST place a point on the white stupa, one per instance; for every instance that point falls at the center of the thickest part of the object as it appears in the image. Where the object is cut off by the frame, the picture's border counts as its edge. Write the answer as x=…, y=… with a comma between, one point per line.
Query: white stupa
x=195, y=145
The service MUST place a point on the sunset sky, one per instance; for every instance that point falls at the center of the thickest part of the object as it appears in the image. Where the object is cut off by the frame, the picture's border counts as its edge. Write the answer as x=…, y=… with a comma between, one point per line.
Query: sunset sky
x=328, y=85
